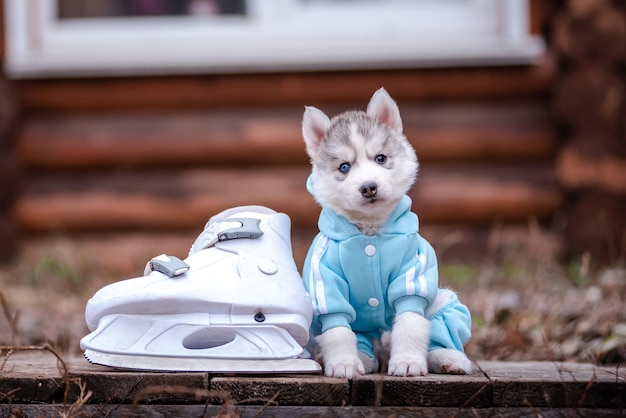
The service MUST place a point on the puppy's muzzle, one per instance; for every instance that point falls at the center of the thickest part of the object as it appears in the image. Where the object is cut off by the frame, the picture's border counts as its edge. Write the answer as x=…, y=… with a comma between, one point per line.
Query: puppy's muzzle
x=369, y=190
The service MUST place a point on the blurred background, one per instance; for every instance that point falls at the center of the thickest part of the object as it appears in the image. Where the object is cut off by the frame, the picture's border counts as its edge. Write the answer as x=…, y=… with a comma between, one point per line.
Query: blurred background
x=125, y=125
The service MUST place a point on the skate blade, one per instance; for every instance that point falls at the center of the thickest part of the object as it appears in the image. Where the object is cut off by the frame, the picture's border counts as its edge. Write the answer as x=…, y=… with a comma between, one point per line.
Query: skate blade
x=211, y=365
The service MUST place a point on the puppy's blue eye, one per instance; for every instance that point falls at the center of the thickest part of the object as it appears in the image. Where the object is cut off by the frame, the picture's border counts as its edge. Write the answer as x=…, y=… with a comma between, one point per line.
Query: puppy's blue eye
x=380, y=159
x=344, y=167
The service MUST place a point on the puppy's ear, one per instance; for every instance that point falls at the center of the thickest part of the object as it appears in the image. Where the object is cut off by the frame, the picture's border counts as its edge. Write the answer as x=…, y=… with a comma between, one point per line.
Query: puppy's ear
x=385, y=109
x=314, y=126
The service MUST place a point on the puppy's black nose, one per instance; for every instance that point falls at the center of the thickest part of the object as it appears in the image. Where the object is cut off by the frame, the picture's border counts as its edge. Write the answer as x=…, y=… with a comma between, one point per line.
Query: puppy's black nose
x=369, y=189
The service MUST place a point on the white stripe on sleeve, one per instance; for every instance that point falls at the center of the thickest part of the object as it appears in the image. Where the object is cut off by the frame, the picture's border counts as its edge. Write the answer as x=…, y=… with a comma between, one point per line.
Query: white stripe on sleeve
x=316, y=282
x=409, y=281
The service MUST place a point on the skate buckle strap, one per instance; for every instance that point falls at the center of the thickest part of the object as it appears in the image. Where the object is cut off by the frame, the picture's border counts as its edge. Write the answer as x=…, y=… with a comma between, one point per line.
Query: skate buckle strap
x=226, y=230
x=239, y=228
x=168, y=265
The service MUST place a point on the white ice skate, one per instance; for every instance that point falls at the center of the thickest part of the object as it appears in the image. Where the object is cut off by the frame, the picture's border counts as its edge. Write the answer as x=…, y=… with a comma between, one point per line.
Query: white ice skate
x=235, y=304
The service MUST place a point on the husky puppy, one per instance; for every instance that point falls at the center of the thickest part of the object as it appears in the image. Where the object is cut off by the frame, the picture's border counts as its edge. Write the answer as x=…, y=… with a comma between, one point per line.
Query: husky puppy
x=371, y=276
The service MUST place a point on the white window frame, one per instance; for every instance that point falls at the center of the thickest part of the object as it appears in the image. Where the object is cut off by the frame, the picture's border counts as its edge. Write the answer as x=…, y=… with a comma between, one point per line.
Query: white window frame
x=277, y=35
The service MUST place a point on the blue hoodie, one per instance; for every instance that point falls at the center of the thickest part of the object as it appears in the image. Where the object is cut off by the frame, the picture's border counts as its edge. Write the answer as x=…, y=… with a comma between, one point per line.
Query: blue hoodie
x=362, y=282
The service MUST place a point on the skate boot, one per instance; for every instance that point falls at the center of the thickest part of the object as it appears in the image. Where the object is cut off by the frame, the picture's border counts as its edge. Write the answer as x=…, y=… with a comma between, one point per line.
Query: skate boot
x=235, y=304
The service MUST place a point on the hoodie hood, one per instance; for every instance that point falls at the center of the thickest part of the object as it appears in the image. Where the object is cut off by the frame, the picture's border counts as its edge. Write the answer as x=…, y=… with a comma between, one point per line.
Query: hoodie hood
x=338, y=227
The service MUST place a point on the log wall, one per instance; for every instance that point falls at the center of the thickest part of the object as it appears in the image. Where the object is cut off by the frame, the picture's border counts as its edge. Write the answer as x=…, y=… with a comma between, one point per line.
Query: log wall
x=128, y=168
x=155, y=157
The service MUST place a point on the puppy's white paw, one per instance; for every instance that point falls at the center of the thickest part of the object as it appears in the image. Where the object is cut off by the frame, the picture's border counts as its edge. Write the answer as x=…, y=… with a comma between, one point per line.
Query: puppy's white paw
x=413, y=364
x=339, y=353
x=445, y=360
x=347, y=367
x=409, y=342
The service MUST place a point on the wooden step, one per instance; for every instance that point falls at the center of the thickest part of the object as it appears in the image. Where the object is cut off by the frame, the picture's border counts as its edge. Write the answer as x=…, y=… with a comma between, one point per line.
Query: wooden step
x=184, y=199
x=534, y=388
x=509, y=131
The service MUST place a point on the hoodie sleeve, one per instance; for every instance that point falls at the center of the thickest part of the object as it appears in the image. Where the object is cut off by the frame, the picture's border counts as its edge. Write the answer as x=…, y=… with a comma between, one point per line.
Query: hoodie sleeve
x=326, y=285
x=415, y=287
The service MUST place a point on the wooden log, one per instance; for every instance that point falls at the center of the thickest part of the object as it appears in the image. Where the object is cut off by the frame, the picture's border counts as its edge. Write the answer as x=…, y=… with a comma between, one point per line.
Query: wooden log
x=485, y=132
x=282, y=88
x=184, y=199
x=590, y=38
x=585, y=8
x=596, y=145
x=483, y=194
x=8, y=169
x=9, y=180
x=590, y=100
x=579, y=170
x=152, y=140
x=8, y=115
x=9, y=238
x=261, y=137
x=597, y=226
x=590, y=31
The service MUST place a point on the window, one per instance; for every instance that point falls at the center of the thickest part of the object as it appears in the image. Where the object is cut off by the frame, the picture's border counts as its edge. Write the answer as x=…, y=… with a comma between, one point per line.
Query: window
x=68, y=38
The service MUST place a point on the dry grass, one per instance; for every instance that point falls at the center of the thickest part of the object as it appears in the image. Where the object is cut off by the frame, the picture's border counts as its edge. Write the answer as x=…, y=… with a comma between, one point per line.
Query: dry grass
x=71, y=409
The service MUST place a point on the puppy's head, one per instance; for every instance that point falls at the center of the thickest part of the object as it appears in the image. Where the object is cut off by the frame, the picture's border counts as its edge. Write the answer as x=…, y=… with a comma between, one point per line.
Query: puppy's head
x=362, y=162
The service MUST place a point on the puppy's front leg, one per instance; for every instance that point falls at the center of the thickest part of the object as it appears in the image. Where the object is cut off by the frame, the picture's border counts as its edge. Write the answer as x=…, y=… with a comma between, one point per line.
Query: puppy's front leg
x=339, y=352
x=409, y=345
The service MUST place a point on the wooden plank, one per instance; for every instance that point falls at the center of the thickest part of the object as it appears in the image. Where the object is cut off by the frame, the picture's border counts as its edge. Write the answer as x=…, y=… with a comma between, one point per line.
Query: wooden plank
x=438, y=390
x=35, y=377
x=285, y=390
x=243, y=411
x=545, y=384
x=38, y=377
x=281, y=88
x=145, y=387
x=264, y=137
x=185, y=199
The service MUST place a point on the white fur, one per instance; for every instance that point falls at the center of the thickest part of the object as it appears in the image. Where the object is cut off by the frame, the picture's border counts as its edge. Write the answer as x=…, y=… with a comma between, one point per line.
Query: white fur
x=314, y=125
x=382, y=107
x=445, y=360
x=339, y=353
x=383, y=127
x=410, y=337
x=357, y=138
